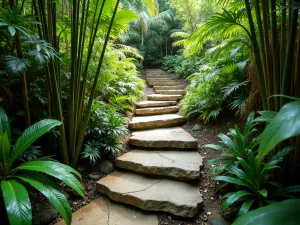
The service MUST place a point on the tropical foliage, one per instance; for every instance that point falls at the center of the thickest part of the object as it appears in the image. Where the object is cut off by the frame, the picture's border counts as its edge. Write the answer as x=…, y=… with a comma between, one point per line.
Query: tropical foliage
x=250, y=173
x=38, y=173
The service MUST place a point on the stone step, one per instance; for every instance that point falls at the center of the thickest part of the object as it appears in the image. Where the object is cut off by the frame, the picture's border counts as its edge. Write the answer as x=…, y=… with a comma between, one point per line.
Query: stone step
x=178, y=87
x=161, y=80
x=175, y=197
x=160, y=97
x=176, y=165
x=103, y=211
x=156, y=121
x=171, y=92
x=157, y=110
x=176, y=138
x=167, y=83
x=146, y=104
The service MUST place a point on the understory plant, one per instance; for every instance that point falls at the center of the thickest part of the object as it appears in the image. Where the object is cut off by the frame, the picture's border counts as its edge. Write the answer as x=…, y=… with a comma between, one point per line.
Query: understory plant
x=105, y=130
x=281, y=126
x=17, y=178
x=249, y=174
x=219, y=84
x=180, y=65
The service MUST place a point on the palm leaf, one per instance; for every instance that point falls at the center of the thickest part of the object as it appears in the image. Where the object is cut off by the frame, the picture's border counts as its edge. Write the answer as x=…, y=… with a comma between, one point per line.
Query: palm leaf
x=57, y=170
x=17, y=202
x=30, y=135
x=51, y=191
x=4, y=124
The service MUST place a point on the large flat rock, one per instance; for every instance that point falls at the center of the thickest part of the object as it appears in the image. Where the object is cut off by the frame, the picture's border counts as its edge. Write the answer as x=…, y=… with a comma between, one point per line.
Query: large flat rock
x=104, y=212
x=177, y=165
x=177, y=87
x=176, y=138
x=161, y=97
x=156, y=121
x=159, y=76
x=171, y=92
x=147, y=104
x=157, y=110
x=175, y=197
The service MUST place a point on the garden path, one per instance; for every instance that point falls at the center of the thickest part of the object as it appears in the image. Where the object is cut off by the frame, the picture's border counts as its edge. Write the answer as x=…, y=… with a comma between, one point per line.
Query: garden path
x=161, y=172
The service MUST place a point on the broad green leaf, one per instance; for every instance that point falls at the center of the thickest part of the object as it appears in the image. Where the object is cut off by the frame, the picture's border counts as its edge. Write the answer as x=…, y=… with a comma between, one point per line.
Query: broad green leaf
x=4, y=149
x=231, y=180
x=51, y=191
x=12, y=31
x=266, y=116
x=285, y=125
x=233, y=197
x=17, y=203
x=4, y=124
x=222, y=159
x=30, y=135
x=263, y=192
x=216, y=147
x=57, y=170
x=283, y=213
x=245, y=207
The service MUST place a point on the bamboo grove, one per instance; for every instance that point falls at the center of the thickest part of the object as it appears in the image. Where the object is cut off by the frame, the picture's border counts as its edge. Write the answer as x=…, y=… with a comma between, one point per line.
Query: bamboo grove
x=90, y=20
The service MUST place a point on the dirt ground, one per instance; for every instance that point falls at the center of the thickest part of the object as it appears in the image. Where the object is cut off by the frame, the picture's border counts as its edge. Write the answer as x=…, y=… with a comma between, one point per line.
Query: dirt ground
x=206, y=135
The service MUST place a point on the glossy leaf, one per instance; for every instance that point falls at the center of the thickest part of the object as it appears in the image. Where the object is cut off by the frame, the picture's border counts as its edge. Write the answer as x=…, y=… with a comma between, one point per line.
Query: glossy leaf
x=245, y=207
x=4, y=149
x=51, y=191
x=17, y=203
x=285, y=125
x=30, y=135
x=57, y=170
x=233, y=197
x=283, y=213
x=4, y=124
x=266, y=116
x=12, y=30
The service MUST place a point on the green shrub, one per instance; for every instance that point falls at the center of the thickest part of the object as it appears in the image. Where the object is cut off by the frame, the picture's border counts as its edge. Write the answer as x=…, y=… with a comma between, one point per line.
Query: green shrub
x=38, y=173
x=242, y=167
x=180, y=65
x=219, y=84
x=105, y=130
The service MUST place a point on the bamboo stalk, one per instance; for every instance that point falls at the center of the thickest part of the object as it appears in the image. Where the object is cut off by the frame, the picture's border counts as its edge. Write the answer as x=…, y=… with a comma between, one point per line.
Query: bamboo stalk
x=287, y=75
x=276, y=60
x=92, y=92
x=256, y=50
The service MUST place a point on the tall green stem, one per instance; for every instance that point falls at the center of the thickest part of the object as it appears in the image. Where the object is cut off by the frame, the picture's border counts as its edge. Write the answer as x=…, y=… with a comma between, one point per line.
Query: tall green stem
x=258, y=59
x=91, y=97
x=287, y=75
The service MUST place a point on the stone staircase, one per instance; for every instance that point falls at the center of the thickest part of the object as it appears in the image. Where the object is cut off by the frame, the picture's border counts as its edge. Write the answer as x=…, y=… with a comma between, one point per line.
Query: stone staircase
x=159, y=174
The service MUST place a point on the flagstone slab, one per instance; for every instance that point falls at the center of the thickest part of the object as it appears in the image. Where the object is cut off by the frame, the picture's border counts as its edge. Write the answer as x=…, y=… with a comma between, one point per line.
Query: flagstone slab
x=177, y=87
x=175, y=197
x=149, y=104
x=171, y=92
x=157, y=110
x=161, y=97
x=156, y=121
x=104, y=212
x=173, y=138
x=167, y=83
x=176, y=165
